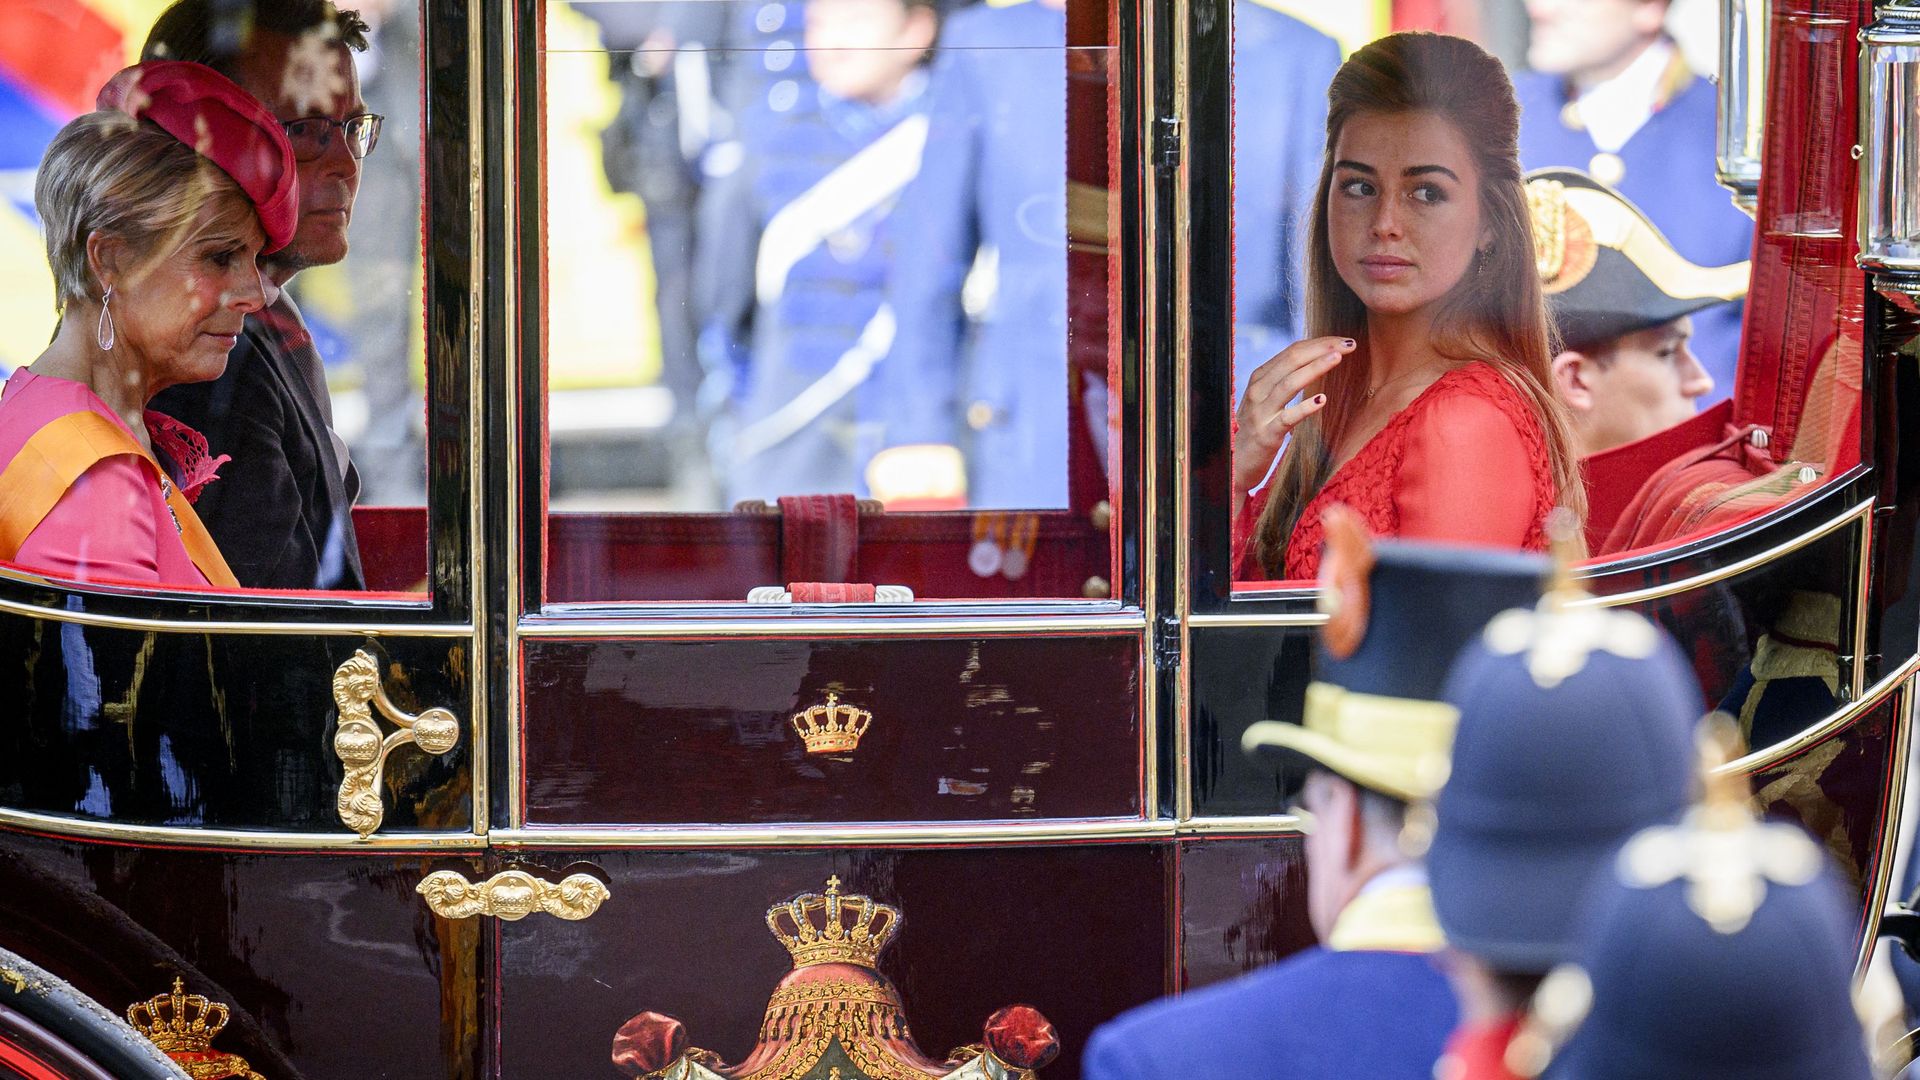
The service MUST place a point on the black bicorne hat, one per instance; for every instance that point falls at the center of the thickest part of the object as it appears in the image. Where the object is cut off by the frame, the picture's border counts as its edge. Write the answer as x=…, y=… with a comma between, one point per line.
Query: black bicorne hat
x=1607, y=271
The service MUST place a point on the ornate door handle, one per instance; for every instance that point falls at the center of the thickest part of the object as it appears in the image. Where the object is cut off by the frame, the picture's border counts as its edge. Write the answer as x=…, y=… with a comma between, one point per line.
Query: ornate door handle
x=359, y=745
x=511, y=895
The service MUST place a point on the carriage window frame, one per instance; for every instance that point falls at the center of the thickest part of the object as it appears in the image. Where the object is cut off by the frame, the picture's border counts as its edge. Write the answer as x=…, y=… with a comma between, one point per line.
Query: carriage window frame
x=452, y=306
x=525, y=405
x=1207, y=377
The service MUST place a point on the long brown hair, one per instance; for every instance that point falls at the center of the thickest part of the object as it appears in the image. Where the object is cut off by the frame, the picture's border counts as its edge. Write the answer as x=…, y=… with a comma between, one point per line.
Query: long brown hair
x=1495, y=314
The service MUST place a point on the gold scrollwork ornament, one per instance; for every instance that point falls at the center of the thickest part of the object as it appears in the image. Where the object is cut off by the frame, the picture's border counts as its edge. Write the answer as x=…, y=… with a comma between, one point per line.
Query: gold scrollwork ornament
x=511, y=895
x=361, y=746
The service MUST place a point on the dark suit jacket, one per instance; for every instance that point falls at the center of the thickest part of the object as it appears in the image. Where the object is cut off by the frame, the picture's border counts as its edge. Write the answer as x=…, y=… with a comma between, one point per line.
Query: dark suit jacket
x=282, y=512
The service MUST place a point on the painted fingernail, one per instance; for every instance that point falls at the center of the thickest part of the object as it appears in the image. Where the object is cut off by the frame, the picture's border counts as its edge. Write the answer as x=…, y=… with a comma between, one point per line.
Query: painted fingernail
x=1319, y=399
x=1348, y=342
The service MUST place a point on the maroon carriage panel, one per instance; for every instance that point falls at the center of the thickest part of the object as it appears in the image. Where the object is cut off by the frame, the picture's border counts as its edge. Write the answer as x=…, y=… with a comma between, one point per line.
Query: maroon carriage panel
x=1243, y=904
x=950, y=729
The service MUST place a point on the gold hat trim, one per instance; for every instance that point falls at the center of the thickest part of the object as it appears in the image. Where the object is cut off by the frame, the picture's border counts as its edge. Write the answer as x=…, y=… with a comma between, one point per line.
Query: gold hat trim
x=1399, y=746
x=1399, y=919
x=1616, y=226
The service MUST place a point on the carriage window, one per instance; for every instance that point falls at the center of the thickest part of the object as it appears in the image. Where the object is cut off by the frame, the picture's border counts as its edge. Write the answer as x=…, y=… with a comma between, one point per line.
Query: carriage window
x=1388, y=353
x=210, y=330
x=827, y=299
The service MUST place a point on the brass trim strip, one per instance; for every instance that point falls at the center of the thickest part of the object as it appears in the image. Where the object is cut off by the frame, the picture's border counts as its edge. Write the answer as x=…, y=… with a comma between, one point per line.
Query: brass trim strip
x=1149, y=377
x=66, y=828
x=1183, y=383
x=1652, y=592
x=1732, y=569
x=1889, y=835
x=481, y=767
x=1249, y=826
x=836, y=835
x=510, y=348
x=1863, y=580
x=235, y=626
x=760, y=625
x=1813, y=734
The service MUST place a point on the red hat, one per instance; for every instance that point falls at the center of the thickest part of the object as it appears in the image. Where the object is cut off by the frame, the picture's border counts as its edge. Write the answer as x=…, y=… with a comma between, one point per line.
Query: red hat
x=224, y=124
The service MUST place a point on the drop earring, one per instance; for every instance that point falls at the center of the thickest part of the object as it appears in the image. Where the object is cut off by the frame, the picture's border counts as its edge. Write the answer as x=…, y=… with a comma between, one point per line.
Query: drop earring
x=103, y=334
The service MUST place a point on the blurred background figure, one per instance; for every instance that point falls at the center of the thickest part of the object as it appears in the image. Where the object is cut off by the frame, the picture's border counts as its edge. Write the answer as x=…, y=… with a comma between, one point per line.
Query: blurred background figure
x=980, y=358
x=385, y=267
x=802, y=235
x=1611, y=94
x=1281, y=71
x=987, y=215
x=1623, y=301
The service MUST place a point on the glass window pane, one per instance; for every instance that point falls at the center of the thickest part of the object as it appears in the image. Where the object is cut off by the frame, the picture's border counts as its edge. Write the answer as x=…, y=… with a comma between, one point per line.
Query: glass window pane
x=235, y=333
x=828, y=300
x=1458, y=413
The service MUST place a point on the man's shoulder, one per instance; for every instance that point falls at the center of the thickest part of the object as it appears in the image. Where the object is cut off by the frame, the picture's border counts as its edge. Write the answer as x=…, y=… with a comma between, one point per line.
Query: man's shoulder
x=1330, y=1009
x=1299, y=984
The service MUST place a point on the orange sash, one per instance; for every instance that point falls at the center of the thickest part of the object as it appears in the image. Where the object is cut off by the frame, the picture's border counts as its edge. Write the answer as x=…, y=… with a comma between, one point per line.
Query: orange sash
x=59, y=454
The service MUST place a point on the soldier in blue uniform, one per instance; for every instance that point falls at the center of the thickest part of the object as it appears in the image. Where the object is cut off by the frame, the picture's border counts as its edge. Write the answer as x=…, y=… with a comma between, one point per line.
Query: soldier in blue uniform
x=1610, y=94
x=1369, y=1001
x=1719, y=947
x=990, y=207
x=812, y=222
x=1576, y=731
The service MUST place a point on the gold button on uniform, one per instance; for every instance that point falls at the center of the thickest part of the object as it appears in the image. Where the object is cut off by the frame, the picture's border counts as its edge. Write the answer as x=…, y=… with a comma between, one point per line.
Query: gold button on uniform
x=979, y=415
x=1607, y=168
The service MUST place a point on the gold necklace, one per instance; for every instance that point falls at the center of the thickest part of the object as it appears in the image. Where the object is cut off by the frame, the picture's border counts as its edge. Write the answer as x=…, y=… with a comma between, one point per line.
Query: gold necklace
x=1372, y=390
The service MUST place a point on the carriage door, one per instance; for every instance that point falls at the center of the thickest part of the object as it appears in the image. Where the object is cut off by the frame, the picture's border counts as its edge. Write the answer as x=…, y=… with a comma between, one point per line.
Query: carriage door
x=828, y=520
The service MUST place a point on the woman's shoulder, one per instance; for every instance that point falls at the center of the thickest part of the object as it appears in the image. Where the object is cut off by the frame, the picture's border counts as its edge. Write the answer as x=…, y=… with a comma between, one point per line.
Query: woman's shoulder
x=31, y=402
x=1478, y=389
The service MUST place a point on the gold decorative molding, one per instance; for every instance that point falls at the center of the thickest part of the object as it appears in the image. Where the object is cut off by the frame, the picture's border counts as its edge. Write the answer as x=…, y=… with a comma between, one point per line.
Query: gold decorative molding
x=511, y=895
x=183, y=1025
x=360, y=746
x=832, y=728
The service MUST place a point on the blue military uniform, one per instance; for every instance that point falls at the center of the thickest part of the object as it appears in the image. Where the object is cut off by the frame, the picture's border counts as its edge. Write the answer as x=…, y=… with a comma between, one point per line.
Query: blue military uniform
x=812, y=221
x=1281, y=69
x=994, y=181
x=1369, y=1002
x=1666, y=169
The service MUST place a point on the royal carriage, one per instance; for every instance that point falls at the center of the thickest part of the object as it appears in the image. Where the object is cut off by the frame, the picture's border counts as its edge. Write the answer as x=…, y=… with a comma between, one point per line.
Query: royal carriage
x=535, y=800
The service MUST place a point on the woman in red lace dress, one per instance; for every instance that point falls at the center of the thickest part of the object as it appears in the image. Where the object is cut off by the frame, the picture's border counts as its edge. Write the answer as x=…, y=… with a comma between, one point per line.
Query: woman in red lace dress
x=1421, y=397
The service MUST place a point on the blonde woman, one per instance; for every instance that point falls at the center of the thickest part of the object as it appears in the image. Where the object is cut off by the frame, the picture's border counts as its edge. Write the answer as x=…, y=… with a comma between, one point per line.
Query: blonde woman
x=1422, y=397
x=155, y=209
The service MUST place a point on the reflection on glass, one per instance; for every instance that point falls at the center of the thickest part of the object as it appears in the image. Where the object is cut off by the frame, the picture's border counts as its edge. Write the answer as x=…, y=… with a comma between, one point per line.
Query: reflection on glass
x=180, y=429
x=1773, y=647
x=858, y=304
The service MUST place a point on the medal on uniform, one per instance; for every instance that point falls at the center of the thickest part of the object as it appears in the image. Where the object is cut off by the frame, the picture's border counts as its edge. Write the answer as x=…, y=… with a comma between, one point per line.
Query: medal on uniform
x=985, y=558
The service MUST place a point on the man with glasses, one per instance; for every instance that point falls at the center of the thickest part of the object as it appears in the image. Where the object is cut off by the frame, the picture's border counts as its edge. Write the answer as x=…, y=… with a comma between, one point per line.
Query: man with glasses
x=282, y=512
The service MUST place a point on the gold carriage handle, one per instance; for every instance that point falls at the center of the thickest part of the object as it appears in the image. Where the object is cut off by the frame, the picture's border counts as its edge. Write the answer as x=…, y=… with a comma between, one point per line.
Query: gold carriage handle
x=511, y=895
x=361, y=747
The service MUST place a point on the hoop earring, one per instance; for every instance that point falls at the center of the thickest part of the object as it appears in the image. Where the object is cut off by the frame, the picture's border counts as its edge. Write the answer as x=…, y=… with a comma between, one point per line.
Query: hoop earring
x=103, y=334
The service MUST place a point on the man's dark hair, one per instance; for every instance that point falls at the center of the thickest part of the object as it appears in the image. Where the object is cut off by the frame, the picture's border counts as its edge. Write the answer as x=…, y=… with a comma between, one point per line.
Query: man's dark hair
x=215, y=32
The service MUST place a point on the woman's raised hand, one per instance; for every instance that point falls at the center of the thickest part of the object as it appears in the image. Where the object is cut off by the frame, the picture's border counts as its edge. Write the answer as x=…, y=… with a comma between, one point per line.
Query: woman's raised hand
x=1268, y=411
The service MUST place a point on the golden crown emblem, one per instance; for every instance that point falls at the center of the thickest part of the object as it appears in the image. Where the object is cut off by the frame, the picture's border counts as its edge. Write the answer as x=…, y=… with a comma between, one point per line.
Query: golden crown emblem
x=832, y=728
x=178, y=1022
x=833, y=929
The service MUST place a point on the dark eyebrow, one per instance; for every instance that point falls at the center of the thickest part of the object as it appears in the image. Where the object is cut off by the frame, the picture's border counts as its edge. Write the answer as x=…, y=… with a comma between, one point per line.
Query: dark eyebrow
x=1422, y=170
x=1356, y=167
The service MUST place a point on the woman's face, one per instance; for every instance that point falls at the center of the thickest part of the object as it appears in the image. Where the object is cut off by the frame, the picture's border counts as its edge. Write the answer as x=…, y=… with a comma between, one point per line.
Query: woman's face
x=1403, y=209
x=183, y=312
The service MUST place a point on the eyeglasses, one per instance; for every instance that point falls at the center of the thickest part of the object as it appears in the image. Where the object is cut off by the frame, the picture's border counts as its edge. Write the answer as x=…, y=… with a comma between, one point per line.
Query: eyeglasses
x=311, y=137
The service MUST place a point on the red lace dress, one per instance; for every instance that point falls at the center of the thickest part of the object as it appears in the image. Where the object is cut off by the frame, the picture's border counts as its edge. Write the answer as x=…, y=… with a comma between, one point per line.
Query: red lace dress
x=1464, y=463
